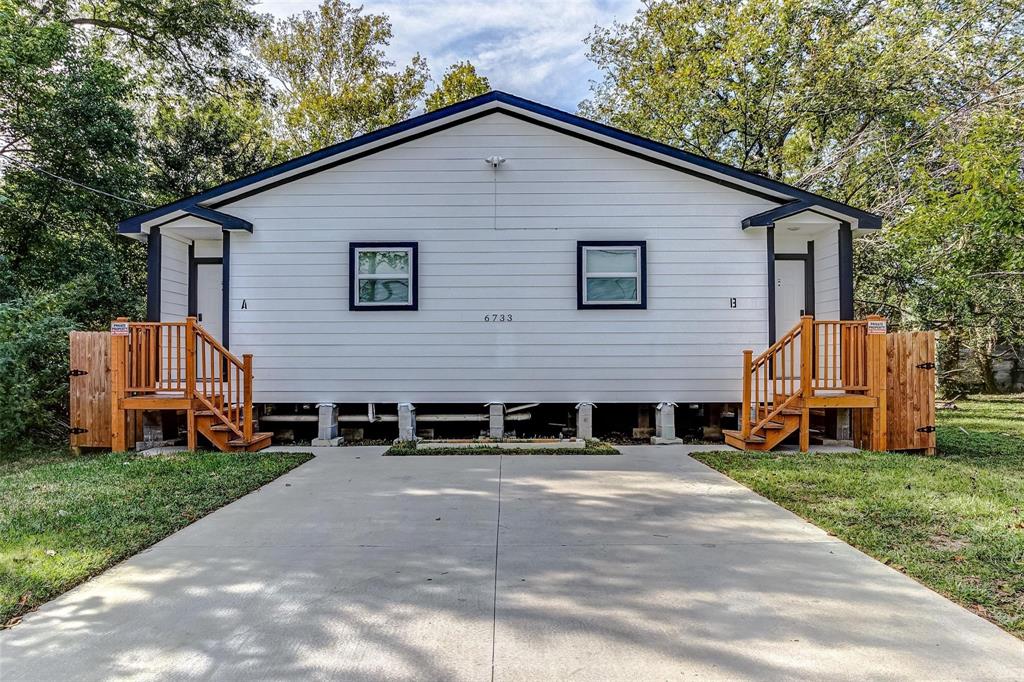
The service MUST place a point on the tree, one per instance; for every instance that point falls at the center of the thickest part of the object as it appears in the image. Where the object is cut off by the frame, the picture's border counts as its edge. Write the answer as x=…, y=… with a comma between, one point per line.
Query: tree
x=193, y=144
x=71, y=157
x=336, y=78
x=194, y=44
x=830, y=95
x=955, y=262
x=460, y=82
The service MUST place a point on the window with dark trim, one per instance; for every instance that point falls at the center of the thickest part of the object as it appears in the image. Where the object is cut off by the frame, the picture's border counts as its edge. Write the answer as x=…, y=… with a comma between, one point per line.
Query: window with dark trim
x=382, y=276
x=611, y=274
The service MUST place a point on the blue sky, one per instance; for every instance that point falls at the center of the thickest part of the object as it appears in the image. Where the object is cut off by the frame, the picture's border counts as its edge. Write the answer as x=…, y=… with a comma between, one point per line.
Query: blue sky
x=532, y=48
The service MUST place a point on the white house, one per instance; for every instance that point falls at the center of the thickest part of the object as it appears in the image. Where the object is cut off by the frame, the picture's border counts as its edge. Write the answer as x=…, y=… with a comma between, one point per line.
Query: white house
x=499, y=251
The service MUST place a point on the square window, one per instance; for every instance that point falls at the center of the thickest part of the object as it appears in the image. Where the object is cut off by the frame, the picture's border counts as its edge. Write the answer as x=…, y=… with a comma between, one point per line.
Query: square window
x=611, y=274
x=382, y=276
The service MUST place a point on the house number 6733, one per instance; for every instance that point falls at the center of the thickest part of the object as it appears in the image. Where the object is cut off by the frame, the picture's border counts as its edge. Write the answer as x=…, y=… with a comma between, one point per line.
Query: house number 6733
x=498, y=317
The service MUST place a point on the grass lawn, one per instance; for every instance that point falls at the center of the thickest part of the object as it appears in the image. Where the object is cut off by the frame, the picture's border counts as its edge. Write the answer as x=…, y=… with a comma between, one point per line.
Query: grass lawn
x=64, y=519
x=954, y=522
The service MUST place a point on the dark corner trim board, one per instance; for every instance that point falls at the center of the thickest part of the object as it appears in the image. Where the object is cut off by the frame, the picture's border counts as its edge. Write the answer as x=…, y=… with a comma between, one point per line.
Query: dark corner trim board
x=770, y=252
x=414, y=294
x=193, y=278
x=154, y=265
x=494, y=101
x=225, y=325
x=580, y=283
x=808, y=260
x=845, y=271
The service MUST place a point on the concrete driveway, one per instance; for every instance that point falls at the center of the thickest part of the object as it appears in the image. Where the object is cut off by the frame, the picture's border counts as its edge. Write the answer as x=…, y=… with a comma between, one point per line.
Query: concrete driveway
x=643, y=566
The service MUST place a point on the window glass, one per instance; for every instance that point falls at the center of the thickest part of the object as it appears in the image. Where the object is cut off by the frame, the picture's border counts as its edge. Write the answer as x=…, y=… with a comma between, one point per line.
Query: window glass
x=383, y=262
x=611, y=260
x=611, y=289
x=383, y=291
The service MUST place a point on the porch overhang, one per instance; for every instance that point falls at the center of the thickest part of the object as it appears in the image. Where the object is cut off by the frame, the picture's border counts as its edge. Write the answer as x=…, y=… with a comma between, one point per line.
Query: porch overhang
x=134, y=226
x=860, y=219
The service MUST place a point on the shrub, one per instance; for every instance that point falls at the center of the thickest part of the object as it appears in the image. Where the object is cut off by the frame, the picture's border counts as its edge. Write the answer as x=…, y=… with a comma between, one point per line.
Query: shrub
x=33, y=368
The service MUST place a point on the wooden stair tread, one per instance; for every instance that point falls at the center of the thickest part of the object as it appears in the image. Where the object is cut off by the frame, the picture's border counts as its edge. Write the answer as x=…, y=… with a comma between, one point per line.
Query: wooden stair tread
x=739, y=436
x=224, y=427
x=208, y=413
x=256, y=437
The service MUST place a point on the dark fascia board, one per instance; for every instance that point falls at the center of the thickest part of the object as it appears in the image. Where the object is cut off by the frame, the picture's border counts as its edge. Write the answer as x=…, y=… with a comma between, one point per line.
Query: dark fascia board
x=224, y=220
x=227, y=221
x=864, y=219
x=766, y=218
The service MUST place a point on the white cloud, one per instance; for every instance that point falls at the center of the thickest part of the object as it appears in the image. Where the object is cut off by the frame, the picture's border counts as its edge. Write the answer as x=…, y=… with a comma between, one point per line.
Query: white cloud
x=532, y=48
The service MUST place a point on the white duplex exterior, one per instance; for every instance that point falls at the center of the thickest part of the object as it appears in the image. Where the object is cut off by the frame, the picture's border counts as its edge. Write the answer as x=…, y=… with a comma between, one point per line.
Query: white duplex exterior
x=497, y=285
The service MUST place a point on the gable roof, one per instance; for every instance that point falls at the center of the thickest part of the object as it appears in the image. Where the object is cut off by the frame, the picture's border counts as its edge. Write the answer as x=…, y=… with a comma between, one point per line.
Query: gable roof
x=202, y=204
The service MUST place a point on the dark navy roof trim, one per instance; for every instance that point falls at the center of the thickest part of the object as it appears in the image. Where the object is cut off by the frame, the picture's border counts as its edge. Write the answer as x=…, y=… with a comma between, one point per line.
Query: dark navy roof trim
x=769, y=217
x=228, y=222
x=134, y=224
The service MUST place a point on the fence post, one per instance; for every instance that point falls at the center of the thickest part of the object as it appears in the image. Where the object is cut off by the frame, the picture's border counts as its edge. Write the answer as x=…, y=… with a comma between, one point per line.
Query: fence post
x=118, y=360
x=878, y=368
x=745, y=408
x=247, y=400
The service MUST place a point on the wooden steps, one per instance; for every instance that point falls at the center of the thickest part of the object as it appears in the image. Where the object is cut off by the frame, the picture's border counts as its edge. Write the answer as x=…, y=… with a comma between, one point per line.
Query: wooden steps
x=179, y=366
x=225, y=438
x=816, y=366
x=769, y=435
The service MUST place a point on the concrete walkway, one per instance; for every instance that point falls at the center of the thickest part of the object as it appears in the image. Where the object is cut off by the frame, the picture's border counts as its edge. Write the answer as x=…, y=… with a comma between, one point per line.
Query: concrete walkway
x=644, y=566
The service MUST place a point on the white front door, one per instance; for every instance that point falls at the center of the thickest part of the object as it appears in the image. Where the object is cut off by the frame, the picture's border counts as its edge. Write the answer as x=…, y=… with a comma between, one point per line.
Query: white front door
x=209, y=297
x=789, y=294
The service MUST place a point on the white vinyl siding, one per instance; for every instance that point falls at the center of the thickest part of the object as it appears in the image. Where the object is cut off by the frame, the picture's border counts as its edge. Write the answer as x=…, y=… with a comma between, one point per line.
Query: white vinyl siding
x=826, y=275
x=493, y=243
x=173, y=279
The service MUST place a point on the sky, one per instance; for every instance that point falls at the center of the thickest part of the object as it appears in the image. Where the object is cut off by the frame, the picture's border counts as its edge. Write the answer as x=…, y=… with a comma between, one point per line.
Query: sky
x=530, y=48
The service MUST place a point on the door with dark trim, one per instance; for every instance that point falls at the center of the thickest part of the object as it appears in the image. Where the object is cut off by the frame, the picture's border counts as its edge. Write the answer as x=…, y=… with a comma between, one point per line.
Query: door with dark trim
x=209, y=297
x=791, y=291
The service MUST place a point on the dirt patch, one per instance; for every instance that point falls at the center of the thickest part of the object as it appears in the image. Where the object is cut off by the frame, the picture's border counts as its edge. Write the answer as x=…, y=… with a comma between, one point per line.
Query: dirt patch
x=945, y=543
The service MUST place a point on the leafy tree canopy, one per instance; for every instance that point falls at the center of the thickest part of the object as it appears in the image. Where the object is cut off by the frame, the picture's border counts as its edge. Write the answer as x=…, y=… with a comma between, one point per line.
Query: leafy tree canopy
x=460, y=82
x=337, y=81
x=830, y=95
x=192, y=43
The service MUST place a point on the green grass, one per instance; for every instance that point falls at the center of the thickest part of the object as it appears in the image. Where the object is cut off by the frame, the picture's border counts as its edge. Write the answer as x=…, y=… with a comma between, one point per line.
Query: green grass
x=64, y=519
x=407, y=450
x=954, y=521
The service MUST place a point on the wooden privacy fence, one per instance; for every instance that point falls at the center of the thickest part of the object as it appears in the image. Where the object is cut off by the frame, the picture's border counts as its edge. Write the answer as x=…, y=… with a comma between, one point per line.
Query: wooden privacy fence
x=89, y=392
x=910, y=386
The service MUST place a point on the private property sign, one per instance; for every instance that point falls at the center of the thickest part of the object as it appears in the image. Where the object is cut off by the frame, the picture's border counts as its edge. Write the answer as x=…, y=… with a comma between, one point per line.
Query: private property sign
x=119, y=329
x=876, y=326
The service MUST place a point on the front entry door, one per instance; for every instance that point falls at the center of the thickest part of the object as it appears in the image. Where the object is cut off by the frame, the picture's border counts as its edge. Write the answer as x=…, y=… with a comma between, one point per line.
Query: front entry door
x=790, y=294
x=209, y=297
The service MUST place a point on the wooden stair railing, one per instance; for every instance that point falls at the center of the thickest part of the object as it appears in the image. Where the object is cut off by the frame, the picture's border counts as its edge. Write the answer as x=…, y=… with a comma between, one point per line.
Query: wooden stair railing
x=223, y=383
x=837, y=358
x=179, y=365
